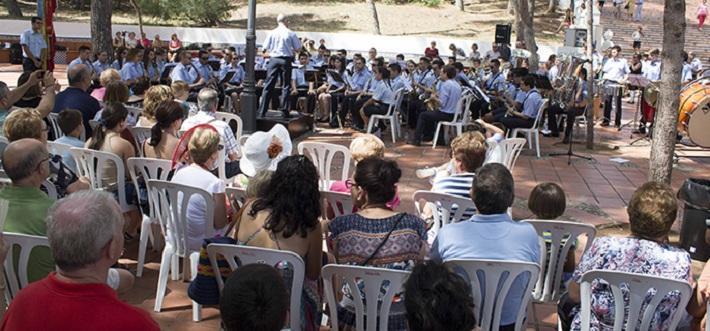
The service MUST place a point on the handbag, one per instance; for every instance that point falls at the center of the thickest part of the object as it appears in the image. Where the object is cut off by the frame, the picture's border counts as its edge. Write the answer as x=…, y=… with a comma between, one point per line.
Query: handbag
x=203, y=288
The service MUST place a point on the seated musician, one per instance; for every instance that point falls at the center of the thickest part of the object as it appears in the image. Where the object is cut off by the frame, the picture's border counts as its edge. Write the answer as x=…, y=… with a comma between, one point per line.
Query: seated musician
x=320, y=59
x=460, y=75
x=184, y=71
x=366, y=93
x=133, y=71
x=379, y=103
x=331, y=91
x=202, y=65
x=300, y=87
x=476, y=73
x=518, y=115
x=357, y=83
x=574, y=108
x=492, y=86
x=423, y=91
x=398, y=80
x=233, y=87
x=448, y=93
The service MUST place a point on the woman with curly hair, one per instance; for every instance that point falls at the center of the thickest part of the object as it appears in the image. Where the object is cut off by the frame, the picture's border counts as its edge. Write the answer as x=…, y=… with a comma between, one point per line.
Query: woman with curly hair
x=154, y=96
x=286, y=218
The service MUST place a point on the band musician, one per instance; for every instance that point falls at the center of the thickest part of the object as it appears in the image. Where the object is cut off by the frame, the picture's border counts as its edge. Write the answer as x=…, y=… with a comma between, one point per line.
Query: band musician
x=443, y=103
x=574, y=107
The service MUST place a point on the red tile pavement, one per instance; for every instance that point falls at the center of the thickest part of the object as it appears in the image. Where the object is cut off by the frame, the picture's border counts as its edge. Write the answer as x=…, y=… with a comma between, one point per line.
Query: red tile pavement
x=597, y=193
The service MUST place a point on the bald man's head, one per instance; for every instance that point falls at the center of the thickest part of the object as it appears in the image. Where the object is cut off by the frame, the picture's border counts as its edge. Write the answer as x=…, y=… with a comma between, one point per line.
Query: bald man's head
x=78, y=74
x=22, y=157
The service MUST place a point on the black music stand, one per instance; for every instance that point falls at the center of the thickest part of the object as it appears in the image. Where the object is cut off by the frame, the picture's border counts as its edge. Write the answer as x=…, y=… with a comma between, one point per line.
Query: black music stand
x=570, y=153
x=640, y=82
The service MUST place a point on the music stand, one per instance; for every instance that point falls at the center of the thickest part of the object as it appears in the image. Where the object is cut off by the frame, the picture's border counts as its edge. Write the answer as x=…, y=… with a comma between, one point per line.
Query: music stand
x=571, y=153
x=640, y=82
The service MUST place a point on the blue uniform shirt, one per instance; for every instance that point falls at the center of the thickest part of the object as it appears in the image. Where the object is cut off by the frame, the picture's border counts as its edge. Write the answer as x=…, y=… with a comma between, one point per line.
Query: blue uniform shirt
x=531, y=104
x=282, y=42
x=132, y=71
x=100, y=67
x=299, y=75
x=187, y=74
x=449, y=94
x=358, y=79
x=204, y=70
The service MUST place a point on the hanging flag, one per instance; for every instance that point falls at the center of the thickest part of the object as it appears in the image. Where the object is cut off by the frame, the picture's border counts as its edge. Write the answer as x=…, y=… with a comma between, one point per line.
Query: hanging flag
x=45, y=10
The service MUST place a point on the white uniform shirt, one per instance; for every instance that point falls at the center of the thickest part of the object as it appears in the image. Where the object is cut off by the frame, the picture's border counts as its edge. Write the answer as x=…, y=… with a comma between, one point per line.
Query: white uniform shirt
x=282, y=42
x=35, y=41
x=615, y=69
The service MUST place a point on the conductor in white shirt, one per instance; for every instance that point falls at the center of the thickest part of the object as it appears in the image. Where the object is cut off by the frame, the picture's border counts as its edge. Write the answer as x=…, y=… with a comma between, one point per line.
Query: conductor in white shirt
x=615, y=70
x=282, y=44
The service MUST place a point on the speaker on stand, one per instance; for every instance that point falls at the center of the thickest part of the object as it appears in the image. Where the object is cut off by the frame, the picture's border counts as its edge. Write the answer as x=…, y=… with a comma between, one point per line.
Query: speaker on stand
x=502, y=35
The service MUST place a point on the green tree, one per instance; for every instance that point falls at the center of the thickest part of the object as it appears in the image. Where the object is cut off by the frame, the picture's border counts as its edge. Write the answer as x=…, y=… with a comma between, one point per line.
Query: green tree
x=201, y=12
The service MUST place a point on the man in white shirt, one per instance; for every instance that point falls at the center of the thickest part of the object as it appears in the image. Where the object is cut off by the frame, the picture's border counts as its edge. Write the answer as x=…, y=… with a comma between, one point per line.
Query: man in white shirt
x=652, y=68
x=282, y=44
x=615, y=71
x=34, y=47
x=207, y=101
x=695, y=64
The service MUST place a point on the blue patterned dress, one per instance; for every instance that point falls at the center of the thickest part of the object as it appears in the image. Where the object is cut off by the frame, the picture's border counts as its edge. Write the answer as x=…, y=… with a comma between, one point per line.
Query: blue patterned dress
x=355, y=238
x=637, y=256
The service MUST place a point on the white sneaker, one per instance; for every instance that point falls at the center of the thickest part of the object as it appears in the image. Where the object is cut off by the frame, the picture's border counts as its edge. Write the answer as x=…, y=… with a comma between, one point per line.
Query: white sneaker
x=425, y=173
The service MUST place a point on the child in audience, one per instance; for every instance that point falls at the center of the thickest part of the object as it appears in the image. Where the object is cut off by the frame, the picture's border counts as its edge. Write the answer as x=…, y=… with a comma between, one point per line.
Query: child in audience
x=181, y=91
x=437, y=299
x=71, y=124
x=254, y=298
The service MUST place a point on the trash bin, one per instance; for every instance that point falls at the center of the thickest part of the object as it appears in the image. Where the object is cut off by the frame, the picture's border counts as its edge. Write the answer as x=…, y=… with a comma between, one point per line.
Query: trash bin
x=695, y=193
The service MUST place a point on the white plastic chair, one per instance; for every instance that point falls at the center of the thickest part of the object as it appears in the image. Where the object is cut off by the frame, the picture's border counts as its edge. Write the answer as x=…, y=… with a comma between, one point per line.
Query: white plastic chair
x=488, y=311
x=638, y=286
x=91, y=163
x=578, y=120
x=248, y=255
x=51, y=189
x=447, y=208
x=322, y=155
x=54, y=121
x=147, y=169
x=392, y=116
x=511, y=148
x=547, y=288
x=133, y=114
x=237, y=194
x=373, y=279
x=19, y=280
x=140, y=135
x=461, y=117
x=171, y=201
x=534, y=130
x=340, y=203
x=227, y=118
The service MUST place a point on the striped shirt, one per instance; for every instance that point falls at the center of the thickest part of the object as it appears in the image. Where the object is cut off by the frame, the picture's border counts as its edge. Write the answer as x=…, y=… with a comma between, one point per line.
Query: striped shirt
x=456, y=184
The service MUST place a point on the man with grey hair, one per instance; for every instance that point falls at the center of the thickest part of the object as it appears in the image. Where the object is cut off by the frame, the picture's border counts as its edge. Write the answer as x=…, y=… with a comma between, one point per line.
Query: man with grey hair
x=77, y=97
x=281, y=44
x=207, y=101
x=85, y=232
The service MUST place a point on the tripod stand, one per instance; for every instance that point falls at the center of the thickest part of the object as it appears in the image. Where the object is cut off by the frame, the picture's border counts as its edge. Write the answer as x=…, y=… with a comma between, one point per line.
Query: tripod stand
x=570, y=153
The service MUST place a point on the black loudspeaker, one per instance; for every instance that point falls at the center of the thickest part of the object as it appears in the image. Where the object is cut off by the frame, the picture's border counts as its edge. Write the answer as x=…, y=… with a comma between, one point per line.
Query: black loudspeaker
x=503, y=33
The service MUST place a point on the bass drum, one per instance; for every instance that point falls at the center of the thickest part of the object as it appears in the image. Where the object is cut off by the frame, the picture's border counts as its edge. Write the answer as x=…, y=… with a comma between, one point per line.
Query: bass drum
x=699, y=125
x=694, y=94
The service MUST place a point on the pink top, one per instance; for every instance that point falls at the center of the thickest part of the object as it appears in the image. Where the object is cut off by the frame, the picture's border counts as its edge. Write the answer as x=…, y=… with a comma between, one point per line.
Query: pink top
x=703, y=10
x=175, y=44
x=340, y=187
x=99, y=93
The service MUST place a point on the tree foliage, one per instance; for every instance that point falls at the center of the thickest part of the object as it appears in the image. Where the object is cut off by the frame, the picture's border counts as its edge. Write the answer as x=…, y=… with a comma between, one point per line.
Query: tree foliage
x=202, y=12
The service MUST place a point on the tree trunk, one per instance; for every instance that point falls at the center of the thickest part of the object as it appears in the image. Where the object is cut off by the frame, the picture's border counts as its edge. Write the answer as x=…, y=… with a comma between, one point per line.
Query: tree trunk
x=552, y=7
x=139, y=12
x=13, y=9
x=459, y=4
x=524, y=22
x=375, y=19
x=664, y=127
x=101, y=36
x=511, y=7
x=590, y=77
x=531, y=7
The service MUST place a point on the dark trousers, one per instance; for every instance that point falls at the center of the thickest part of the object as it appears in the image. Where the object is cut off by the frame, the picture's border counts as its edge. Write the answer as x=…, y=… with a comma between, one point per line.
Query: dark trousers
x=571, y=112
x=415, y=108
x=374, y=109
x=426, y=124
x=479, y=108
x=310, y=100
x=607, y=109
x=354, y=109
x=28, y=65
x=517, y=122
x=564, y=311
x=279, y=68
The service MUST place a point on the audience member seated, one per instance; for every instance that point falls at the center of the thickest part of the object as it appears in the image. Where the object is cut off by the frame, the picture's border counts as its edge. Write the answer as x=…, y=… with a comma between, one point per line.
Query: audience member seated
x=25, y=161
x=85, y=236
x=28, y=123
x=652, y=211
x=116, y=92
x=286, y=218
x=154, y=96
x=468, y=151
x=9, y=98
x=431, y=51
x=164, y=134
x=32, y=96
x=107, y=76
x=207, y=102
x=203, y=149
x=437, y=299
x=376, y=236
x=70, y=123
x=523, y=117
x=76, y=97
x=547, y=202
x=448, y=93
x=254, y=297
x=491, y=234
x=263, y=151
x=107, y=138
x=181, y=91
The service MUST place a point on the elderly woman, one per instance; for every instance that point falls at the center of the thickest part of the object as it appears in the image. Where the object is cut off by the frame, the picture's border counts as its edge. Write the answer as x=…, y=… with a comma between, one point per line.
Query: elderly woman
x=376, y=236
x=652, y=211
x=285, y=217
x=107, y=76
x=204, y=149
x=153, y=97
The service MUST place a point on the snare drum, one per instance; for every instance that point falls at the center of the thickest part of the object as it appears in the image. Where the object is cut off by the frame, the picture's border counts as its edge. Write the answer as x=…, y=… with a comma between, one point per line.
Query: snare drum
x=612, y=88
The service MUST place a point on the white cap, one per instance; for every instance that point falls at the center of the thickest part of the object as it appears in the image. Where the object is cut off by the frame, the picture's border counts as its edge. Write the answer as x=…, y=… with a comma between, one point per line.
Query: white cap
x=256, y=155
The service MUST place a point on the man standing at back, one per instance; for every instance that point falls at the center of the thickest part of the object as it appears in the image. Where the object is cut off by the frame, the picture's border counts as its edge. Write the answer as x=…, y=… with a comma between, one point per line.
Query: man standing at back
x=34, y=47
x=491, y=234
x=282, y=44
x=85, y=232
